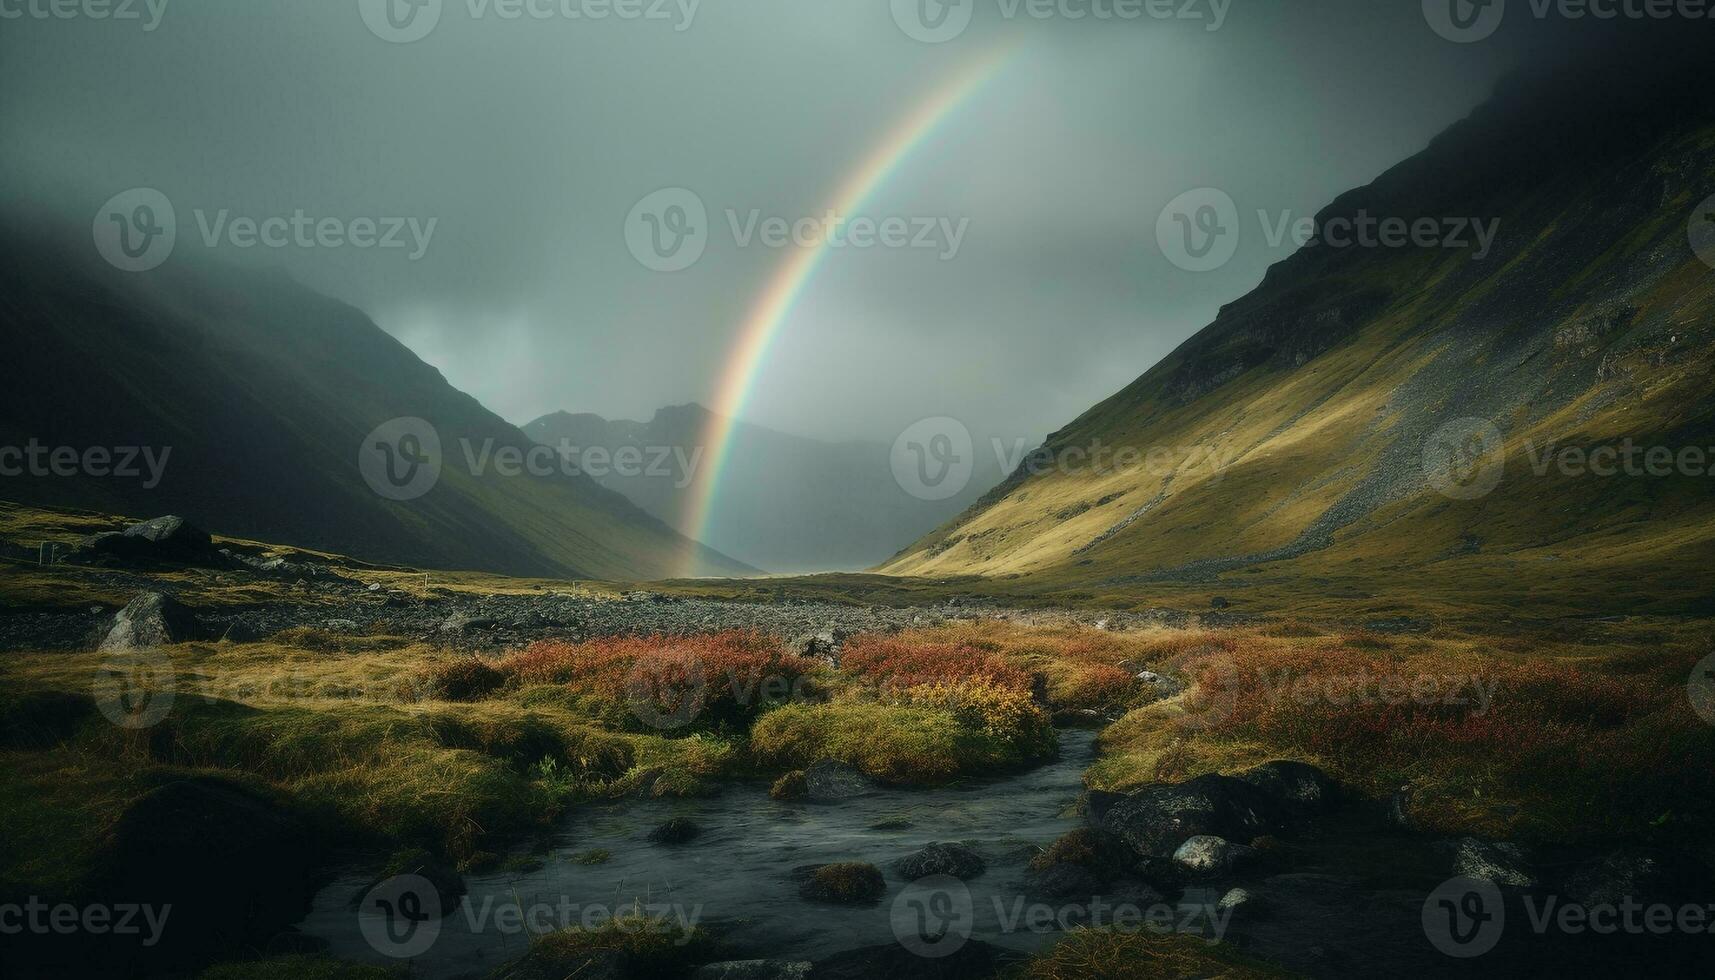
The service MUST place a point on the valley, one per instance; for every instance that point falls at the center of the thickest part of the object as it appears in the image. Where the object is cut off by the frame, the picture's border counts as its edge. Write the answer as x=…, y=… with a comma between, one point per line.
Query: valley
x=563, y=729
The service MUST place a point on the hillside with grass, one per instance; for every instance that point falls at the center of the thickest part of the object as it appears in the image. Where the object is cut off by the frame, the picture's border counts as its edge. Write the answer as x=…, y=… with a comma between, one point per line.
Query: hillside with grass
x=1293, y=447
x=256, y=395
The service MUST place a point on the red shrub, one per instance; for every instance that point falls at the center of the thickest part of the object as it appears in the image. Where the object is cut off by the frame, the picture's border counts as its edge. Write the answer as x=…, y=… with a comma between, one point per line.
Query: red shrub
x=900, y=663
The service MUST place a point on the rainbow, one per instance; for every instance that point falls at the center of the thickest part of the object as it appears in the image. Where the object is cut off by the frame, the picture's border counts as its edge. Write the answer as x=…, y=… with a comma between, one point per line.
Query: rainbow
x=749, y=352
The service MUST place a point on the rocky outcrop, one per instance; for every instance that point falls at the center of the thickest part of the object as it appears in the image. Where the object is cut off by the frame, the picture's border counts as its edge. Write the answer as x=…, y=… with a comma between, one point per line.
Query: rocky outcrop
x=1156, y=820
x=148, y=621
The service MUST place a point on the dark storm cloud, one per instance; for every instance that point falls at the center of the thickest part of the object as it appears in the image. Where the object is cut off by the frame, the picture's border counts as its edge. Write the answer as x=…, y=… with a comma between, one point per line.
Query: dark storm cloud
x=519, y=145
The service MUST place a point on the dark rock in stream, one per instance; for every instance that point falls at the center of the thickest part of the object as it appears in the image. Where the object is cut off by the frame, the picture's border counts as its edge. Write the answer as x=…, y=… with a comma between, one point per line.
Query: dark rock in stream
x=678, y=830
x=828, y=780
x=936, y=858
x=848, y=883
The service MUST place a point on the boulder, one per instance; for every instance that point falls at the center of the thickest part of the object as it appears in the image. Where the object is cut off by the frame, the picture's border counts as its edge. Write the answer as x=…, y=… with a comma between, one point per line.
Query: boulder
x=1208, y=856
x=675, y=831
x=163, y=539
x=823, y=644
x=1157, y=819
x=753, y=970
x=233, y=864
x=829, y=780
x=940, y=859
x=1496, y=861
x=148, y=621
x=1098, y=802
x=1068, y=881
x=1301, y=786
x=1095, y=850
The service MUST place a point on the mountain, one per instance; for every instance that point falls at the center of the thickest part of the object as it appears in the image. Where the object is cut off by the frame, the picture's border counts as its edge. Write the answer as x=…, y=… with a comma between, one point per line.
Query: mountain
x=262, y=396
x=1336, y=432
x=787, y=504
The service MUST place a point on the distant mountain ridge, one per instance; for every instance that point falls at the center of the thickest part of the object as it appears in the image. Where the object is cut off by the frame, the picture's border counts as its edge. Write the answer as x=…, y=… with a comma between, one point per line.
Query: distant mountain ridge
x=264, y=392
x=1340, y=389
x=788, y=504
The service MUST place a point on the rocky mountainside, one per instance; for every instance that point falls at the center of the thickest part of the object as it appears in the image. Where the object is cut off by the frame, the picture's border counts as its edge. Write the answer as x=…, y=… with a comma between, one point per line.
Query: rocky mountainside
x=788, y=504
x=245, y=402
x=1425, y=419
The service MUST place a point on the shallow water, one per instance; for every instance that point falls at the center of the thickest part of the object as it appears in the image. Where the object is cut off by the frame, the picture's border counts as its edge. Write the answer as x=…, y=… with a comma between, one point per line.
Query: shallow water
x=737, y=876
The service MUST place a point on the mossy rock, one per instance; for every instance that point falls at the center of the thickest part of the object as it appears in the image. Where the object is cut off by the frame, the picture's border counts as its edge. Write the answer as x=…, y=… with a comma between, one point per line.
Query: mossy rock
x=847, y=883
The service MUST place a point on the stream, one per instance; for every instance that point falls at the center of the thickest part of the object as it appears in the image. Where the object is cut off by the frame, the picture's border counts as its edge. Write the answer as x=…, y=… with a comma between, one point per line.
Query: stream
x=737, y=876
x=1345, y=896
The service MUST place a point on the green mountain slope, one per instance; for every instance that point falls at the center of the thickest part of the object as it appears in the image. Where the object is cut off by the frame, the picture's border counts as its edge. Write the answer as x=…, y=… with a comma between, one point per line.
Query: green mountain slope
x=264, y=392
x=1301, y=438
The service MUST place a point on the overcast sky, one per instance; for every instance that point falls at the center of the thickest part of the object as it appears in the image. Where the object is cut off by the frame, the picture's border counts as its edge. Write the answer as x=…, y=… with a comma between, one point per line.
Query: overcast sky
x=528, y=141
